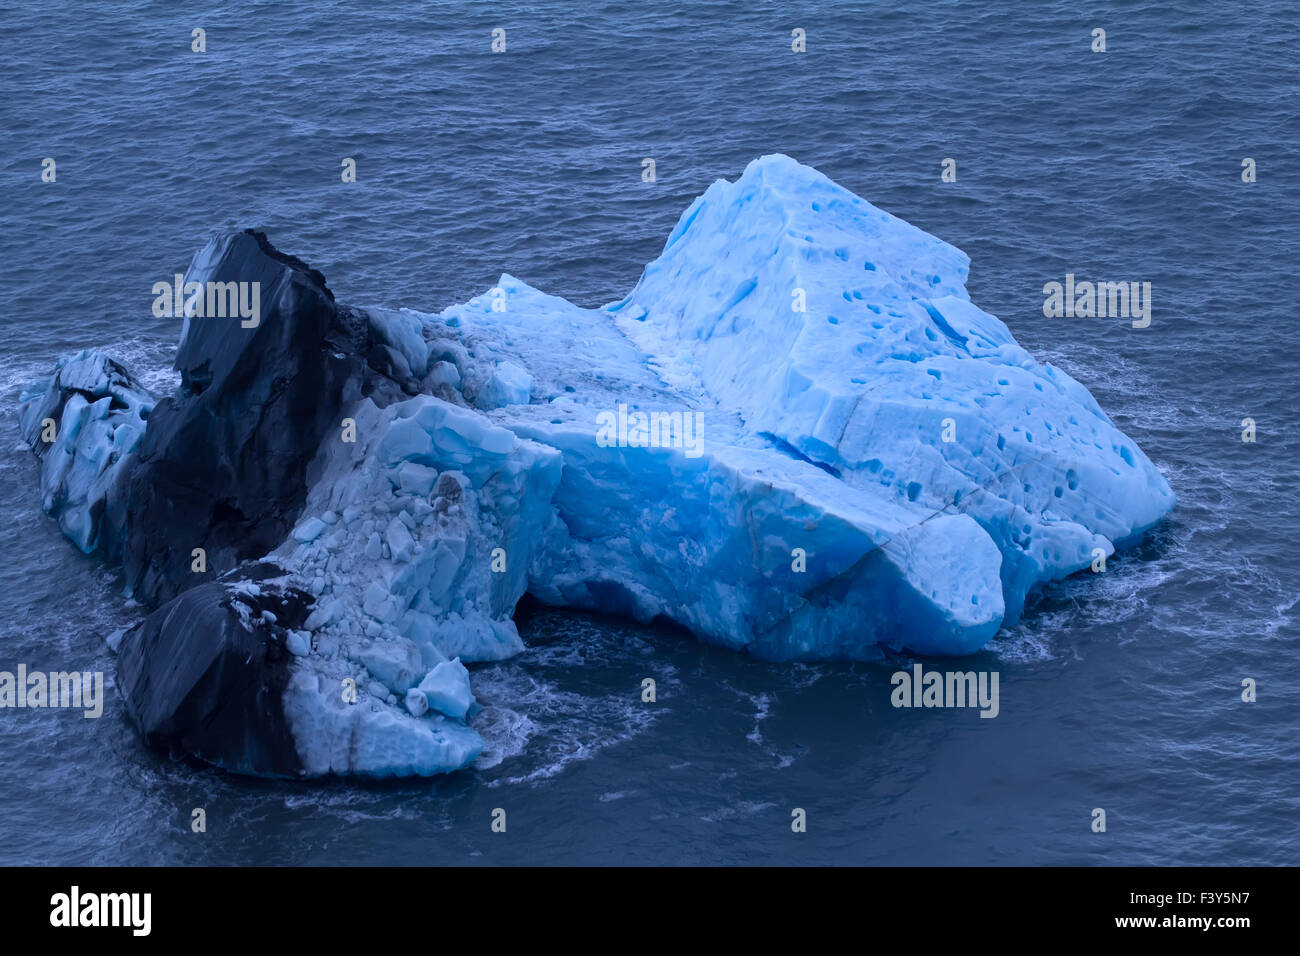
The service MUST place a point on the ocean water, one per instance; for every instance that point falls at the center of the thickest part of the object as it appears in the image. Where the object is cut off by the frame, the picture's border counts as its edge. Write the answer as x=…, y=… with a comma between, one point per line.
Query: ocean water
x=1119, y=691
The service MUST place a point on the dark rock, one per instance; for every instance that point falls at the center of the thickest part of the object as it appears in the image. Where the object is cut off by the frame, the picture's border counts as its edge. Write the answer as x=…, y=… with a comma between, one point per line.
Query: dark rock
x=222, y=465
x=448, y=487
x=204, y=674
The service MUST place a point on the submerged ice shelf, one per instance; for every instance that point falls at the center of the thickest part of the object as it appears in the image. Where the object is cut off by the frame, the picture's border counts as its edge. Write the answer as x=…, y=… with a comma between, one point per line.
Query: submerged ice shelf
x=873, y=462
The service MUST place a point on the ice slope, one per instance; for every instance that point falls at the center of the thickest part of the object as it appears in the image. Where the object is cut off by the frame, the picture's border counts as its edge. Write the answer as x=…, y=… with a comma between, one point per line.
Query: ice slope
x=710, y=540
x=886, y=351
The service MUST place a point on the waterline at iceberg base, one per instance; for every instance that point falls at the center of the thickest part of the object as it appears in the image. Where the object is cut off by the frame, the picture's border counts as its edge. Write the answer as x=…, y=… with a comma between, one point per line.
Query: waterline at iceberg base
x=339, y=508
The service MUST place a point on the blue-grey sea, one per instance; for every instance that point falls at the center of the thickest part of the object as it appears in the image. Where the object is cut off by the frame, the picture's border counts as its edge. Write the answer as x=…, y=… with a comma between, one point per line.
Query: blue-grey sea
x=1120, y=691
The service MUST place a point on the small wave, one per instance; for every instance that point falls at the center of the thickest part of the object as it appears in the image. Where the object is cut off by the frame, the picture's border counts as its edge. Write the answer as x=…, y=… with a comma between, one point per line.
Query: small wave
x=576, y=728
x=148, y=360
x=540, y=727
x=743, y=808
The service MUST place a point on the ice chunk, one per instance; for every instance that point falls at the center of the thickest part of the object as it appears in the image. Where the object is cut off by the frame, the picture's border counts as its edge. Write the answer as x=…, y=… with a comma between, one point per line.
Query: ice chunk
x=324, y=613
x=403, y=332
x=862, y=420
x=394, y=663
x=309, y=530
x=416, y=702
x=447, y=688
x=888, y=376
x=85, y=423
x=416, y=479
x=509, y=385
x=442, y=374
x=399, y=540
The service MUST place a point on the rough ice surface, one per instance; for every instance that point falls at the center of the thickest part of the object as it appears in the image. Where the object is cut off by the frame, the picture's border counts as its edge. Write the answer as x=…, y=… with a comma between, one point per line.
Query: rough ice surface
x=861, y=459
x=829, y=349
x=98, y=416
x=861, y=383
x=402, y=526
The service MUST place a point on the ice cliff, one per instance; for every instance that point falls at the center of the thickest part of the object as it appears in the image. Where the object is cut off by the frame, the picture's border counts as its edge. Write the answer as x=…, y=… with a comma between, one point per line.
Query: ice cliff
x=796, y=436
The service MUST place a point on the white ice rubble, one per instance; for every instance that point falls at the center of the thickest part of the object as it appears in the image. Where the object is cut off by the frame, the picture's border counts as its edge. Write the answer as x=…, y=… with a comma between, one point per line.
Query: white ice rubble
x=826, y=349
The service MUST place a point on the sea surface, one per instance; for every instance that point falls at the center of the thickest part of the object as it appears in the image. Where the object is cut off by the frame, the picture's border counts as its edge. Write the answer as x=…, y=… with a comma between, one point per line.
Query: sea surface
x=1119, y=691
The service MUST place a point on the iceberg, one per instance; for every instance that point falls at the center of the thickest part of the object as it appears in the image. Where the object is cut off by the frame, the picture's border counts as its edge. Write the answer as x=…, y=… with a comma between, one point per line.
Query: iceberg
x=796, y=436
